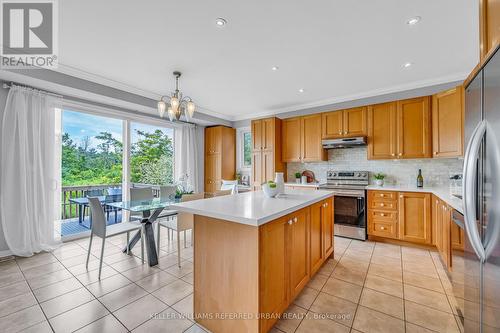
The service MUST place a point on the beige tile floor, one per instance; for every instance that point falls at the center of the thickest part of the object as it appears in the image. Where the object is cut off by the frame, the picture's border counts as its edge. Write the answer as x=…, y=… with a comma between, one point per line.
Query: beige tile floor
x=368, y=287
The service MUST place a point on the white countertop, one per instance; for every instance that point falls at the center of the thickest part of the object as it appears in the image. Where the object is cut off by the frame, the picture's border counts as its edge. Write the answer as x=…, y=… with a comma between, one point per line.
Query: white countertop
x=252, y=208
x=315, y=185
x=442, y=193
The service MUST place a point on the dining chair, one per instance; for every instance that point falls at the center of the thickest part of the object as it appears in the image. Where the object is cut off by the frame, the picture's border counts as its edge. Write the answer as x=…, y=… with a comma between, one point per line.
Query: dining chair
x=181, y=222
x=167, y=192
x=140, y=194
x=230, y=185
x=102, y=230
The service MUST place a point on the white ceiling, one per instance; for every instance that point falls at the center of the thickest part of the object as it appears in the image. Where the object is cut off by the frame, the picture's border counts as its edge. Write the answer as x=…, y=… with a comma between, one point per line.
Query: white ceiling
x=336, y=50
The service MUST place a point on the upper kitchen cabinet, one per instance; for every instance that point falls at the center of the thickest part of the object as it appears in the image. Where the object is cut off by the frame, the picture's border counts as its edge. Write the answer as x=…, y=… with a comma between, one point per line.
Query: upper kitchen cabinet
x=266, y=153
x=489, y=26
x=448, y=123
x=344, y=123
x=400, y=129
x=382, y=131
x=220, y=156
x=414, y=128
x=302, y=139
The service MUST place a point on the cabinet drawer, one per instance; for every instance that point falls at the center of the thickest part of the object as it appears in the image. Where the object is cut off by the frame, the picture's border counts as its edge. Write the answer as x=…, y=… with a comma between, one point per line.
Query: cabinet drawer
x=383, y=204
x=383, y=228
x=383, y=195
x=382, y=215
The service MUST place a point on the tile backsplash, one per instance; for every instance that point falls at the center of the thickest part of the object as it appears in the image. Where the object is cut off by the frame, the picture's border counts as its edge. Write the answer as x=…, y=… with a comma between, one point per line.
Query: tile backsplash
x=436, y=172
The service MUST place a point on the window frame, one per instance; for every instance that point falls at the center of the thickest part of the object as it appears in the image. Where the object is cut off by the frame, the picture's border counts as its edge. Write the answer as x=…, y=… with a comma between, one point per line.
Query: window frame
x=240, y=151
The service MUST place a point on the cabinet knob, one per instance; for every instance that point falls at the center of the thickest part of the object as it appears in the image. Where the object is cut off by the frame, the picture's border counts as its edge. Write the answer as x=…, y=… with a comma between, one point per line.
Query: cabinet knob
x=326, y=204
x=401, y=196
x=393, y=154
x=382, y=205
x=346, y=132
x=290, y=222
x=382, y=228
x=294, y=220
x=400, y=154
x=382, y=214
x=435, y=153
x=382, y=195
x=340, y=132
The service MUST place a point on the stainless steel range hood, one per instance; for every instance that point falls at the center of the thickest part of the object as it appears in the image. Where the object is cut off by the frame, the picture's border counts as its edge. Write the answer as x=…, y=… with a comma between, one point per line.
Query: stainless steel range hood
x=344, y=143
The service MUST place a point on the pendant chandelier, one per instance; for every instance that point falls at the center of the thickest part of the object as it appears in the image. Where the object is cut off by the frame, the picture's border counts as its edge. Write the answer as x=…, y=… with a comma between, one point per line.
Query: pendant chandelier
x=176, y=105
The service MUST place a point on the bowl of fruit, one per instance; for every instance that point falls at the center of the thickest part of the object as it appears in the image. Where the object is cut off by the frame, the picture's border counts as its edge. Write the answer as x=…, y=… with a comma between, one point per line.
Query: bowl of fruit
x=270, y=189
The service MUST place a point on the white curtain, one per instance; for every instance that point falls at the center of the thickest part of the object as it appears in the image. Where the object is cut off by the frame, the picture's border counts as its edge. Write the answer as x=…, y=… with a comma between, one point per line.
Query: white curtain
x=30, y=170
x=186, y=155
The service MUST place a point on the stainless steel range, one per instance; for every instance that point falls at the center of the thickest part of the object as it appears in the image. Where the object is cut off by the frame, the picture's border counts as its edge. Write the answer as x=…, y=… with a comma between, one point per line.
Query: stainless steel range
x=349, y=202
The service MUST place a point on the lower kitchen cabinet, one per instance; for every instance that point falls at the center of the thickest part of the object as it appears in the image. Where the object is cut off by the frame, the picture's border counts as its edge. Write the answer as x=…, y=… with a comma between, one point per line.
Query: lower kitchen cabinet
x=415, y=217
x=442, y=226
x=292, y=249
x=404, y=216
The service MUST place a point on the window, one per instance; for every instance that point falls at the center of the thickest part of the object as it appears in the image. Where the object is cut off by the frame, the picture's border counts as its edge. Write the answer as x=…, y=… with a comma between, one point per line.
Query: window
x=151, y=154
x=247, y=149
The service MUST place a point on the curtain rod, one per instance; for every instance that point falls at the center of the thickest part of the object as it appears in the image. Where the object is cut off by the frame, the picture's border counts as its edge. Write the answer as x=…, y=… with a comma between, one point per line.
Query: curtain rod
x=8, y=86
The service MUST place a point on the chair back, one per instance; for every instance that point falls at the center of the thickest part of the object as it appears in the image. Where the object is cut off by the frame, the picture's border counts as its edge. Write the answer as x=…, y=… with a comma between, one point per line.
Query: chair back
x=98, y=218
x=222, y=193
x=185, y=221
x=191, y=197
x=167, y=191
x=141, y=193
x=230, y=185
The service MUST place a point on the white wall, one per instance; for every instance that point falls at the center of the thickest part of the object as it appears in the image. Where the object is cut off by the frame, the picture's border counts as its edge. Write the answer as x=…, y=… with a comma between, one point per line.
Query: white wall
x=436, y=172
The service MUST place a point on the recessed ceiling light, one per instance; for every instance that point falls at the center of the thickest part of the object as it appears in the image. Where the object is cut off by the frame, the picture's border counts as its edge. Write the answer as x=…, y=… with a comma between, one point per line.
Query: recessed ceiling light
x=413, y=20
x=275, y=68
x=407, y=65
x=301, y=90
x=220, y=22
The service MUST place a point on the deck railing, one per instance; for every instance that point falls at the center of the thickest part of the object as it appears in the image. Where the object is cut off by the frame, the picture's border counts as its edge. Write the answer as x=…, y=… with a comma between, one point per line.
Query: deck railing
x=70, y=210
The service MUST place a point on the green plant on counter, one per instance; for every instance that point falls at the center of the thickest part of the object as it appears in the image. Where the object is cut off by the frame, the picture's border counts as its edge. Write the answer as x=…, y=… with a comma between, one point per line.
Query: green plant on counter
x=379, y=176
x=270, y=183
x=298, y=175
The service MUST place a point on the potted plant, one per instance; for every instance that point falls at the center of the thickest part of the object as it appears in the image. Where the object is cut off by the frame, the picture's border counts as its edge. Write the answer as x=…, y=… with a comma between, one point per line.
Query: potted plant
x=270, y=189
x=379, y=179
x=298, y=175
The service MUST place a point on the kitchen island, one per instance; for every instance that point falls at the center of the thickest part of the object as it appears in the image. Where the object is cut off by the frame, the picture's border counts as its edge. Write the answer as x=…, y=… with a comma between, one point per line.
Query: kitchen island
x=253, y=255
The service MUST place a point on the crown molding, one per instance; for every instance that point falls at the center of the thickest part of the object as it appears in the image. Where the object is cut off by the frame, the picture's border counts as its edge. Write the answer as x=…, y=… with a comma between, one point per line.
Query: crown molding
x=362, y=95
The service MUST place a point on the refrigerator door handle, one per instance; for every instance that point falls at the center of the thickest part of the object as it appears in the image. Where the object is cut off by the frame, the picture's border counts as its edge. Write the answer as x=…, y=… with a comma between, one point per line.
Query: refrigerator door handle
x=469, y=189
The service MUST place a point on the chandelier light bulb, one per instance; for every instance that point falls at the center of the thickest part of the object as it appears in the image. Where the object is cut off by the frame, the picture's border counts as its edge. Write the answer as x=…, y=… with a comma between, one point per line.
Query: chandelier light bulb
x=170, y=113
x=162, y=106
x=190, y=108
x=174, y=103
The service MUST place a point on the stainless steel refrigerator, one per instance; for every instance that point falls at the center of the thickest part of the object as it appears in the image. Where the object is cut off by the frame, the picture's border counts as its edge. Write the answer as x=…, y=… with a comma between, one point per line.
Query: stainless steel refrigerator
x=481, y=198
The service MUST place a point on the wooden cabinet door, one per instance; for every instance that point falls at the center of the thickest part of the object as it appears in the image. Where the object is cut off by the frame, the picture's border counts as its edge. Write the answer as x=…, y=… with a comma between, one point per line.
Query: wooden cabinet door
x=213, y=140
x=445, y=239
x=267, y=166
x=414, y=128
x=257, y=178
x=316, y=221
x=274, y=270
x=212, y=172
x=382, y=131
x=457, y=237
x=257, y=135
x=354, y=122
x=489, y=26
x=312, y=150
x=291, y=140
x=415, y=217
x=299, y=251
x=268, y=134
x=447, y=123
x=332, y=125
x=327, y=221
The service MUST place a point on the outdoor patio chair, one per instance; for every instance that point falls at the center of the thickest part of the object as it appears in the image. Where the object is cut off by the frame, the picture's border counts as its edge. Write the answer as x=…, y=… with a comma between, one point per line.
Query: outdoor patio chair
x=181, y=222
x=102, y=230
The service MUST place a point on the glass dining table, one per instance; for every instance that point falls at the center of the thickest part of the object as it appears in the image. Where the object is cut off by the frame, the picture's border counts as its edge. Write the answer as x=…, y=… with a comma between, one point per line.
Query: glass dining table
x=151, y=210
